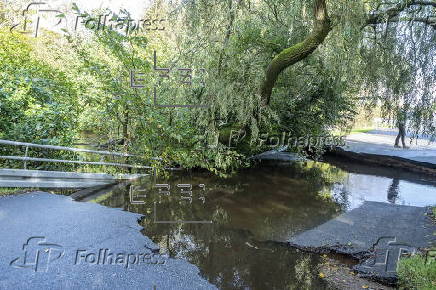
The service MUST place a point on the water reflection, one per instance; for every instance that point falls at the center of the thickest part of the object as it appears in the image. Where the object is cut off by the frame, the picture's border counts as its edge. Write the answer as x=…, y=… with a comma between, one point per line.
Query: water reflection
x=369, y=183
x=248, y=211
x=272, y=203
x=393, y=190
x=254, y=213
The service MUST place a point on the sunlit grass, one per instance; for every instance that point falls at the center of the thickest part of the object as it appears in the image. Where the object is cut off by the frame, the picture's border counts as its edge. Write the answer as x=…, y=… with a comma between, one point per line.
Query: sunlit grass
x=361, y=130
x=19, y=190
x=417, y=273
x=13, y=190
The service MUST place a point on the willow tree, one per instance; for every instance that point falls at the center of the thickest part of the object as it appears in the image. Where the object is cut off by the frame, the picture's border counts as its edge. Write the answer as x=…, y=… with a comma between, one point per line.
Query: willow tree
x=412, y=75
x=280, y=55
x=272, y=65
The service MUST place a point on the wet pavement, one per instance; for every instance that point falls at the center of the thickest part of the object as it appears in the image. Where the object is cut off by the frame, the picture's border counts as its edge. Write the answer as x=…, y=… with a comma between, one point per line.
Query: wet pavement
x=376, y=233
x=51, y=242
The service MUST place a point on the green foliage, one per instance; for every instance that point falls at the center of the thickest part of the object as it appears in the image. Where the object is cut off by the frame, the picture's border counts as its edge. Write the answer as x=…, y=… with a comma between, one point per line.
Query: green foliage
x=54, y=87
x=415, y=273
x=37, y=103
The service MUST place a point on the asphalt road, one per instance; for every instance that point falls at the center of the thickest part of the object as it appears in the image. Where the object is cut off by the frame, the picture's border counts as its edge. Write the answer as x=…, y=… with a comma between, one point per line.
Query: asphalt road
x=52, y=242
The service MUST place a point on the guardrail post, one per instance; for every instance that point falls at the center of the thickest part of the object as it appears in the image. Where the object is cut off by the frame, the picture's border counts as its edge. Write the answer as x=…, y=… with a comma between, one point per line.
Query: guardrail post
x=25, y=155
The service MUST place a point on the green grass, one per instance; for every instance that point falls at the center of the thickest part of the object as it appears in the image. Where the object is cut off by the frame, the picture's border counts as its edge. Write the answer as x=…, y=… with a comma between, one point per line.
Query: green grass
x=19, y=190
x=415, y=273
x=13, y=190
x=361, y=130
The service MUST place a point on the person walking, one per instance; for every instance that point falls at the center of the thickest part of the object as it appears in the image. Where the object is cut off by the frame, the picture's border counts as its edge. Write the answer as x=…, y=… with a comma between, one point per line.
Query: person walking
x=401, y=124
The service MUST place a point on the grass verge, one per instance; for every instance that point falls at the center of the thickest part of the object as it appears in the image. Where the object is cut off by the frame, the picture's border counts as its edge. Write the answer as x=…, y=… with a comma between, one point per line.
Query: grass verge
x=418, y=271
x=20, y=190
x=13, y=190
x=361, y=130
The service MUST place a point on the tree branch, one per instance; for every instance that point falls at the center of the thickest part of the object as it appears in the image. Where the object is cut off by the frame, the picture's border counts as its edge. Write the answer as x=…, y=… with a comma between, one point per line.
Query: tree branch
x=430, y=3
x=431, y=21
x=298, y=52
x=391, y=14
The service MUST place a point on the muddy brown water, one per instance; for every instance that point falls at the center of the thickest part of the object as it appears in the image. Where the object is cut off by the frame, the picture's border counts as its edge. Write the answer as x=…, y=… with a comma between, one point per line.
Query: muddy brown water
x=254, y=212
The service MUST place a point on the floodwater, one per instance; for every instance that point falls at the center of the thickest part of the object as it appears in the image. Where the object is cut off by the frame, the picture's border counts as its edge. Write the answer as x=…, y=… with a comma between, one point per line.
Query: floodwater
x=235, y=229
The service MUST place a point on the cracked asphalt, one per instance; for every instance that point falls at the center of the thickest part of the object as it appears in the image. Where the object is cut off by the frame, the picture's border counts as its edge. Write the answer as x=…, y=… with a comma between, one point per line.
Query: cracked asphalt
x=74, y=245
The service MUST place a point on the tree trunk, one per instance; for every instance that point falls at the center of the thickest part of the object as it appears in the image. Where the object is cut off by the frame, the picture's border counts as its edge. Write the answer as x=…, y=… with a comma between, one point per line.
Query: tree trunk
x=299, y=51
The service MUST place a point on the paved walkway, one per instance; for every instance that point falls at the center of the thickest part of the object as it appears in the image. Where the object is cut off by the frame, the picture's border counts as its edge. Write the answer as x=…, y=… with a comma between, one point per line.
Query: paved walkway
x=381, y=142
x=369, y=233
x=394, y=132
x=52, y=242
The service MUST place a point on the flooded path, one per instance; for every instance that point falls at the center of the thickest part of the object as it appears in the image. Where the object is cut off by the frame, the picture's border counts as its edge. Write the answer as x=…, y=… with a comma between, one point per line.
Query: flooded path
x=255, y=212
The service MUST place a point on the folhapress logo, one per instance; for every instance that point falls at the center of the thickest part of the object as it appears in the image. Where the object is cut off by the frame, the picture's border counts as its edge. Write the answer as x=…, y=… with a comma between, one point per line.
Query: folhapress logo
x=107, y=257
x=38, y=254
x=387, y=251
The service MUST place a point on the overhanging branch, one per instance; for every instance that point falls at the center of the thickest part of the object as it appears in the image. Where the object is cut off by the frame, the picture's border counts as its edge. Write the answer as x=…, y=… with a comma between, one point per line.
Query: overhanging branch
x=299, y=51
x=391, y=14
x=431, y=21
x=429, y=3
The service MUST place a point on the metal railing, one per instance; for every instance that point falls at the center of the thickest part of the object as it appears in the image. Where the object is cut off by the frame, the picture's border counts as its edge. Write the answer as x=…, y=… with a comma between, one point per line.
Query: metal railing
x=26, y=158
